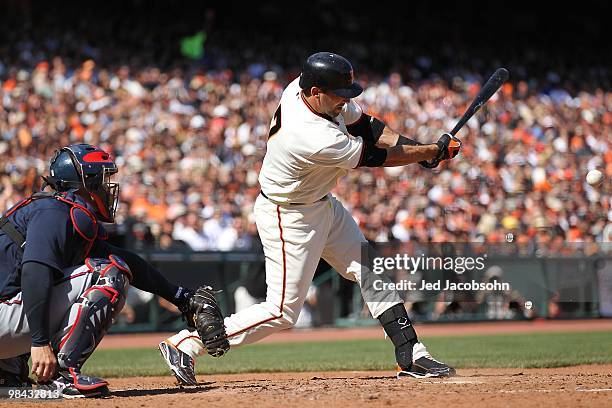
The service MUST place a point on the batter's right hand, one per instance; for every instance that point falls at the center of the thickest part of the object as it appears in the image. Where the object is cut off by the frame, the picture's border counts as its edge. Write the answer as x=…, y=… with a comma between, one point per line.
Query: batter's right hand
x=43, y=362
x=449, y=147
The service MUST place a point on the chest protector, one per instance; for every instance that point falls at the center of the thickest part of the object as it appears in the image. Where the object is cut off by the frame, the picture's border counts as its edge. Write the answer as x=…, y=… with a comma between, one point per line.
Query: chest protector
x=83, y=221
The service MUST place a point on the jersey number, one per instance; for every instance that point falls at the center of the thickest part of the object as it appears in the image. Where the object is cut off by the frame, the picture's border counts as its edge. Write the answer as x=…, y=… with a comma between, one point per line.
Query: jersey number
x=276, y=122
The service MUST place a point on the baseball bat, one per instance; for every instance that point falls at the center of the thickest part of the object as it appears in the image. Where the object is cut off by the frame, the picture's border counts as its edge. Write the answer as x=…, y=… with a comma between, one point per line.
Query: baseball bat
x=490, y=87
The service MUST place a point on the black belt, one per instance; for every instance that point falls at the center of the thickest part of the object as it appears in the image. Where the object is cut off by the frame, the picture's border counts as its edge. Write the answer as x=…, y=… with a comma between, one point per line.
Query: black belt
x=321, y=199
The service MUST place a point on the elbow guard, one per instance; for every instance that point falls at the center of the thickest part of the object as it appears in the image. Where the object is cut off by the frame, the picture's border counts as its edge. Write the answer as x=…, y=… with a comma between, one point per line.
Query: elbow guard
x=368, y=127
x=372, y=156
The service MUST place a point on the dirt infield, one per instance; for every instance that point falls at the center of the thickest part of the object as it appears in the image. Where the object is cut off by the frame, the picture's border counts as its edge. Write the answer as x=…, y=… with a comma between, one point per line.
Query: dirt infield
x=581, y=386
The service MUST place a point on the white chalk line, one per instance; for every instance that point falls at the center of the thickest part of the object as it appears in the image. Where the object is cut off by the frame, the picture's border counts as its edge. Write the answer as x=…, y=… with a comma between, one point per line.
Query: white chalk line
x=594, y=389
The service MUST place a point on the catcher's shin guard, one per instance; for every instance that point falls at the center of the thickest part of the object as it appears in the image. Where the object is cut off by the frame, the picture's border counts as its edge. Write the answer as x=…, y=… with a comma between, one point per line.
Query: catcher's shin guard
x=96, y=310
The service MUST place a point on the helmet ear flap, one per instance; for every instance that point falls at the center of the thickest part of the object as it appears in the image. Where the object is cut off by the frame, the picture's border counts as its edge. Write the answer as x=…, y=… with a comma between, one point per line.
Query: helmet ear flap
x=64, y=171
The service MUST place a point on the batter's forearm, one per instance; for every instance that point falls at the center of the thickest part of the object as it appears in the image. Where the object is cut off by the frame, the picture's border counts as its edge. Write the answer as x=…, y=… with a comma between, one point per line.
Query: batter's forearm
x=407, y=154
x=390, y=138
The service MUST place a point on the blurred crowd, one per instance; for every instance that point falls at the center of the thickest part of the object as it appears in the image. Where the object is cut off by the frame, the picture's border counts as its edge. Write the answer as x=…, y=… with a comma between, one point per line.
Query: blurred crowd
x=189, y=147
x=189, y=140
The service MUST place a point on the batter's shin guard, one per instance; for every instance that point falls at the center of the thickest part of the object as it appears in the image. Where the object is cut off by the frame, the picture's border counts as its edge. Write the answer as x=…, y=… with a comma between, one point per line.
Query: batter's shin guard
x=96, y=310
x=399, y=328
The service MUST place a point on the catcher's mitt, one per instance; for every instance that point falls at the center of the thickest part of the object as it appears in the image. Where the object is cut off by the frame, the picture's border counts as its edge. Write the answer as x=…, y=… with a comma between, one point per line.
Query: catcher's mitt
x=202, y=312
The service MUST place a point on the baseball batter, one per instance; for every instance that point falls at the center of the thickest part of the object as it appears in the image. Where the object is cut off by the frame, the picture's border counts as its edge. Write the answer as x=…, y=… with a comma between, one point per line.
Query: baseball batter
x=318, y=133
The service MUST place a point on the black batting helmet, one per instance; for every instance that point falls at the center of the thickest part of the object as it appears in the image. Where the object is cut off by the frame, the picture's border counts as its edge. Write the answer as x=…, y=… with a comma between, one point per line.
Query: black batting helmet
x=86, y=169
x=330, y=72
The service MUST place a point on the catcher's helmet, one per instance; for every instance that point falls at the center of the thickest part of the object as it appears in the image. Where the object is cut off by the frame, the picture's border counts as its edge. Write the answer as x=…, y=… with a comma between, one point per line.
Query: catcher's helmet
x=86, y=169
x=330, y=72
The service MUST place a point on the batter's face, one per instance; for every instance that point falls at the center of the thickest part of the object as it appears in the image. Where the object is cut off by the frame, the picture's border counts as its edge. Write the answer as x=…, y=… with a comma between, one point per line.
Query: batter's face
x=329, y=103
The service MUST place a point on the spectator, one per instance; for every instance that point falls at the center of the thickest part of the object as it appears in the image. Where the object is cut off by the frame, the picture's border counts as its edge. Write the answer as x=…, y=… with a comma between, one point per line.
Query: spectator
x=189, y=139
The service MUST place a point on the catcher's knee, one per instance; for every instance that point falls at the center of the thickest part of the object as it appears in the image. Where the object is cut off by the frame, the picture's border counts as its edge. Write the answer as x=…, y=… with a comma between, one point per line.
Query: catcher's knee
x=98, y=307
x=114, y=277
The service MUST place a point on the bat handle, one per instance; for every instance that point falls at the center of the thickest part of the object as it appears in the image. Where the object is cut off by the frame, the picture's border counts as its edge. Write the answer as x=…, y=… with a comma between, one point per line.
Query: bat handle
x=452, y=134
x=456, y=129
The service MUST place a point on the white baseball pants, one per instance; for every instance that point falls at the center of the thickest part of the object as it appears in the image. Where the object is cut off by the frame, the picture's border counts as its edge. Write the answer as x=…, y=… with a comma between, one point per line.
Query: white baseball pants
x=294, y=239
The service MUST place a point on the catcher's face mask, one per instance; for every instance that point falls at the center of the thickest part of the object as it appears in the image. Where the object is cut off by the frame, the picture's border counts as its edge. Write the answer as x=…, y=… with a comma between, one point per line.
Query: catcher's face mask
x=88, y=170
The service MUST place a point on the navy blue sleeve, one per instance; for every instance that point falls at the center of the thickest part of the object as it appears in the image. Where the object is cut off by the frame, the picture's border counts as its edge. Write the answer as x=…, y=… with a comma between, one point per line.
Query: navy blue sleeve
x=36, y=283
x=146, y=277
x=49, y=239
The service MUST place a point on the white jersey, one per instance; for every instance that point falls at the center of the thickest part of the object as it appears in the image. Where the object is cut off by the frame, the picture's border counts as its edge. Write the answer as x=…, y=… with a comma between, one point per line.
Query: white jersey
x=307, y=152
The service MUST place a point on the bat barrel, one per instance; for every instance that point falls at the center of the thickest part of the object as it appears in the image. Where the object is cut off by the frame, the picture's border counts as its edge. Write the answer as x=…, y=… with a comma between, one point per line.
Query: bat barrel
x=490, y=87
x=501, y=75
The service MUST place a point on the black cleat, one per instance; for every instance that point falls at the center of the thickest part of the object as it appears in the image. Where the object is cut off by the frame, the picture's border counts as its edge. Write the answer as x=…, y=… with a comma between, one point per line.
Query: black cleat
x=181, y=364
x=73, y=384
x=425, y=366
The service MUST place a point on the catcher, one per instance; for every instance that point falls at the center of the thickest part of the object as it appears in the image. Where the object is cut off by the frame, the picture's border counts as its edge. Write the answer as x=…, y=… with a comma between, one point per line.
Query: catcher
x=62, y=285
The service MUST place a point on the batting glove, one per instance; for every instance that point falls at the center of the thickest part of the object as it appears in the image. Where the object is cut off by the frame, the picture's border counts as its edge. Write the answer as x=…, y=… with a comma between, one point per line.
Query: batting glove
x=448, y=148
